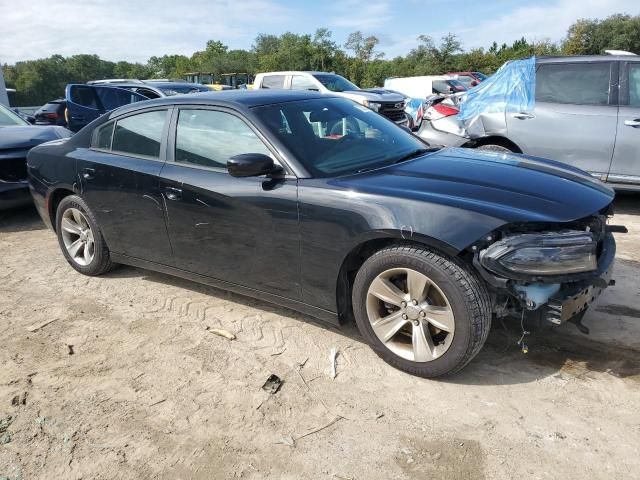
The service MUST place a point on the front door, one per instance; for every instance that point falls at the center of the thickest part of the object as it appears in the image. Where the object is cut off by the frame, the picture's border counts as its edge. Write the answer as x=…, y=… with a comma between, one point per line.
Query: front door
x=625, y=167
x=119, y=179
x=575, y=116
x=240, y=230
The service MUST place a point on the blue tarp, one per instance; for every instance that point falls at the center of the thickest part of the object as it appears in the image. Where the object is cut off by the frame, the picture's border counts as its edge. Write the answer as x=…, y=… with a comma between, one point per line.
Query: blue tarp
x=511, y=89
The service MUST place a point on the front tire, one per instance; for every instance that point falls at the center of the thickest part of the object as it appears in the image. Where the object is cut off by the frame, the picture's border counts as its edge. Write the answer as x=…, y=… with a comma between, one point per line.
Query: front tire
x=80, y=238
x=421, y=312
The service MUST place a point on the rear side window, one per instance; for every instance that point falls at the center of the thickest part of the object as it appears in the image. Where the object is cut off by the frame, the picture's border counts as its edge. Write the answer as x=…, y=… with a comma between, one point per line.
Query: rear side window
x=209, y=138
x=273, y=81
x=140, y=135
x=102, y=138
x=83, y=96
x=574, y=83
x=634, y=84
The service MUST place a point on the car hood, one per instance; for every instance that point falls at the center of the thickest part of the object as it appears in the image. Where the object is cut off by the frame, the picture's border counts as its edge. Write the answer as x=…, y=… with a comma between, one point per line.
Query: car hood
x=20, y=138
x=513, y=188
x=373, y=95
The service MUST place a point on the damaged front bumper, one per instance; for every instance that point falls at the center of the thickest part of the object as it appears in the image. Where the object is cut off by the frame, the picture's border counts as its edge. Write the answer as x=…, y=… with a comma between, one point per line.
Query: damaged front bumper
x=556, y=298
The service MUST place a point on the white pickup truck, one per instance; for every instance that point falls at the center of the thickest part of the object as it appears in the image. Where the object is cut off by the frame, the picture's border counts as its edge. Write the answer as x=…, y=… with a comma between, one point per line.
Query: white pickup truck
x=386, y=103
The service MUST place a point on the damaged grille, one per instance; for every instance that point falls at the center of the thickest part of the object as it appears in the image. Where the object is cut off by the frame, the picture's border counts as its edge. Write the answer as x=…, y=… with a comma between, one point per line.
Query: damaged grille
x=13, y=169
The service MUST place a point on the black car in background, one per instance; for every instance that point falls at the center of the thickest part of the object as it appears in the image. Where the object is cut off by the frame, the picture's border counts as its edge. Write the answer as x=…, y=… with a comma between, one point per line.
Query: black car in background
x=52, y=113
x=17, y=137
x=258, y=192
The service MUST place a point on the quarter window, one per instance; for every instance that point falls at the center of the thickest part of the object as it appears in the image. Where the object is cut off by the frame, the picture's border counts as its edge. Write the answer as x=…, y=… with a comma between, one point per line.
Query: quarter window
x=273, y=81
x=575, y=83
x=140, y=135
x=209, y=138
x=102, y=140
x=634, y=85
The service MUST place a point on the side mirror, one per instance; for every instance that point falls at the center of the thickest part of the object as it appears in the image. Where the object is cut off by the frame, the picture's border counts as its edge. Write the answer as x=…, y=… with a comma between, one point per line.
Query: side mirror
x=474, y=83
x=251, y=165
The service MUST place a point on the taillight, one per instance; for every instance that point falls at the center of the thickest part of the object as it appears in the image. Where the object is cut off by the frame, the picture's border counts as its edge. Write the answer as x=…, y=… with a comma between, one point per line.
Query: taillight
x=438, y=111
x=51, y=115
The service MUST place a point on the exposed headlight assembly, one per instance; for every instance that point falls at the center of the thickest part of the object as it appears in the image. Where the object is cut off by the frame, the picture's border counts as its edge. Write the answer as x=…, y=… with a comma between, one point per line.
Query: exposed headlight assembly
x=372, y=105
x=540, y=254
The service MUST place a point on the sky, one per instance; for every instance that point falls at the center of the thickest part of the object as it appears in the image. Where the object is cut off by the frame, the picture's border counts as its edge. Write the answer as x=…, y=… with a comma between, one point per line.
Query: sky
x=135, y=30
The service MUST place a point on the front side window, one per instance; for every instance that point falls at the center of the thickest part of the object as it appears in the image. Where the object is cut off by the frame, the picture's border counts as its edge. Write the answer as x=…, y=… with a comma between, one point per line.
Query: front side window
x=335, y=83
x=573, y=83
x=299, y=82
x=273, y=81
x=140, y=135
x=8, y=118
x=634, y=84
x=336, y=136
x=113, y=98
x=209, y=138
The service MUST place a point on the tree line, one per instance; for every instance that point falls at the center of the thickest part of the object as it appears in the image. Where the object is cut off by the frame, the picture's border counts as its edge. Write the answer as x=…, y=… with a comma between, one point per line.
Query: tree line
x=359, y=58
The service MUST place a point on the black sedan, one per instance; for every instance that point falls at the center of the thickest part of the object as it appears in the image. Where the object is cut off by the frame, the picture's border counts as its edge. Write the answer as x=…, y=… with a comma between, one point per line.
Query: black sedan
x=326, y=207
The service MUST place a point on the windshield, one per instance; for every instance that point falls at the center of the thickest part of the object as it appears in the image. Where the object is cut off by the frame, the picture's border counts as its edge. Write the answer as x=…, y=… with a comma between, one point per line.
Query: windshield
x=466, y=80
x=335, y=83
x=10, y=119
x=336, y=136
x=480, y=76
x=176, y=90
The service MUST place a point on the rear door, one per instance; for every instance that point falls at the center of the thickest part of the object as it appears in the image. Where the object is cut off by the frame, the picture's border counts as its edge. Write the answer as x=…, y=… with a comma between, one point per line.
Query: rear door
x=85, y=103
x=625, y=166
x=575, y=115
x=119, y=181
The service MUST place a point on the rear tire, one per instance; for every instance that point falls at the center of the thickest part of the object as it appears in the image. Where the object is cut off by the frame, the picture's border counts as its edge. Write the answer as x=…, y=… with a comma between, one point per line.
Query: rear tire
x=441, y=331
x=80, y=238
x=495, y=148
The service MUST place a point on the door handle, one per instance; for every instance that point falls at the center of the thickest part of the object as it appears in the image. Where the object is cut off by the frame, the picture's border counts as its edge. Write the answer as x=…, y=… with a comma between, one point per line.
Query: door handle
x=632, y=123
x=88, y=173
x=173, y=193
x=523, y=116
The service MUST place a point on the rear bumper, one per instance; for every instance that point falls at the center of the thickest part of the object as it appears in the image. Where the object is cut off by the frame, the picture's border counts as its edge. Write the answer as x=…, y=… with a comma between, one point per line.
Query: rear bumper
x=14, y=195
x=437, y=137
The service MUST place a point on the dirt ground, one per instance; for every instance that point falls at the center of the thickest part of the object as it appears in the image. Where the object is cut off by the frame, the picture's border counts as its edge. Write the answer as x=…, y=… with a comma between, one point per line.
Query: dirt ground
x=127, y=381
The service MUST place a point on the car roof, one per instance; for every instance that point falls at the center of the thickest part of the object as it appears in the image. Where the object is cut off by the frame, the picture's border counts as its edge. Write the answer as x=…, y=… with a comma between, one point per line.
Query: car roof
x=295, y=72
x=169, y=83
x=587, y=58
x=229, y=98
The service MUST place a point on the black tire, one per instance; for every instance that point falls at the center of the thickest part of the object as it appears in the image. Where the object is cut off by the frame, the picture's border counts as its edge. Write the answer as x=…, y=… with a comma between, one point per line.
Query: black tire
x=495, y=148
x=101, y=261
x=466, y=293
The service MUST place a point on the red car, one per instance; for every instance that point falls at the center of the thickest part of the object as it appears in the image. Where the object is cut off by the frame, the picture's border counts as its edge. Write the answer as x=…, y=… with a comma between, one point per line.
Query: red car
x=468, y=79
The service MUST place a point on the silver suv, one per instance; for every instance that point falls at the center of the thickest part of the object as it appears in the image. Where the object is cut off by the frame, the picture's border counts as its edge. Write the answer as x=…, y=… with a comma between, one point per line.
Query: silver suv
x=587, y=114
x=387, y=103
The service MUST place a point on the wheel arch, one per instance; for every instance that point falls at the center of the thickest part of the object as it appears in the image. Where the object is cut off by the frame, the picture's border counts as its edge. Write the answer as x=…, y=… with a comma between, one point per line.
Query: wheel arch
x=54, y=199
x=494, y=140
x=367, y=247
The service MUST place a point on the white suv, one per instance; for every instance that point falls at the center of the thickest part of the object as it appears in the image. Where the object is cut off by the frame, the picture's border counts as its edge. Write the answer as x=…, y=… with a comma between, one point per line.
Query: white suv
x=386, y=103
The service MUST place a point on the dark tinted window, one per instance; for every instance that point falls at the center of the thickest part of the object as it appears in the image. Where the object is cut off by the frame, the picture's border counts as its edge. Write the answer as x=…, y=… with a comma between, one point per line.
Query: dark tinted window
x=83, y=96
x=140, y=134
x=210, y=138
x=575, y=83
x=273, y=81
x=102, y=137
x=634, y=84
x=299, y=82
x=113, y=98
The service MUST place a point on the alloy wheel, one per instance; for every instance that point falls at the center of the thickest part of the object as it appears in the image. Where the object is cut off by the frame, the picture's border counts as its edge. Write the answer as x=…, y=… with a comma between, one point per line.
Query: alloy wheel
x=77, y=236
x=410, y=314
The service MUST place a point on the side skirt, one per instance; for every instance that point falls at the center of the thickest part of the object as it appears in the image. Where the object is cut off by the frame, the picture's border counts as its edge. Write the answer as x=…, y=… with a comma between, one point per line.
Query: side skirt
x=319, y=313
